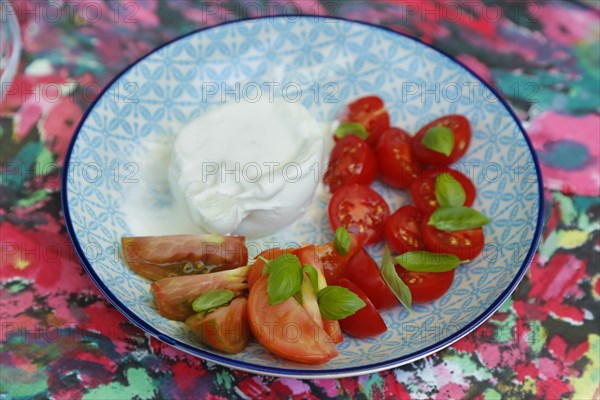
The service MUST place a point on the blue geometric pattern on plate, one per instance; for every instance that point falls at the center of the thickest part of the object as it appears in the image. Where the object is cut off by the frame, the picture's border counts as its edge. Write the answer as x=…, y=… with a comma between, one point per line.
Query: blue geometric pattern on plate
x=115, y=183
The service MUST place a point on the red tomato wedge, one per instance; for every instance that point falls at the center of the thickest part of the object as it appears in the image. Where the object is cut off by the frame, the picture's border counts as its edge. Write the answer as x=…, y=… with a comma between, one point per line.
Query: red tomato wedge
x=351, y=161
x=224, y=329
x=174, y=296
x=367, y=321
x=360, y=210
x=334, y=264
x=363, y=271
x=403, y=230
x=422, y=191
x=460, y=127
x=466, y=244
x=397, y=166
x=370, y=112
x=286, y=329
x=426, y=286
x=157, y=257
x=256, y=269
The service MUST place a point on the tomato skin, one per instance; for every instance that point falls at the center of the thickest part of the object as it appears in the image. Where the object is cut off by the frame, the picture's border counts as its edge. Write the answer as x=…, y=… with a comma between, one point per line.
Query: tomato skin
x=306, y=343
x=422, y=190
x=370, y=112
x=351, y=161
x=334, y=264
x=403, y=230
x=255, y=271
x=397, y=166
x=363, y=271
x=466, y=244
x=360, y=210
x=426, y=286
x=461, y=128
x=367, y=321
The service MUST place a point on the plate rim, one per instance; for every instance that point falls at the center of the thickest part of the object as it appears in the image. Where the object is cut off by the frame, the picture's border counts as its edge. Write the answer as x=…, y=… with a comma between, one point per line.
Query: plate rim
x=291, y=372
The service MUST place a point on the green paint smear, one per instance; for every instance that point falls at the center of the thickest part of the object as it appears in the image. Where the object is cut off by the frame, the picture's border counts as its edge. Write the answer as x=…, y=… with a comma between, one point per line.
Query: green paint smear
x=549, y=246
x=491, y=394
x=45, y=162
x=568, y=213
x=537, y=336
x=586, y=384
x=469, y=367
x=140, y=386
x=22, y=385
x=21, y=164
x=36, y=196
x=373, y=380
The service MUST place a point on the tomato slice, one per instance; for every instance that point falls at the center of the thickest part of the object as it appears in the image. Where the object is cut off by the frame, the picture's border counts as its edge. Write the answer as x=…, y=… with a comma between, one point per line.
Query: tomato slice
x=422, y=190
x=403, y=230
x=461, y=128
x=334, y=264
x=286, y=329
x=367, y=321
x=224, y=329
x=363, y=271
x=397, y=166
x=360, y=210
x=370, y=112
x=466, y=244
x=256, y=269
x=351, y=161
x=157, y=257
x=426, y=286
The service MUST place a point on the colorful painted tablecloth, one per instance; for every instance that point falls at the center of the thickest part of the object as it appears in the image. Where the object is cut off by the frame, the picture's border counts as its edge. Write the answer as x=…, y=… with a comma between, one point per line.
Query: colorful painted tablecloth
x=58, y=332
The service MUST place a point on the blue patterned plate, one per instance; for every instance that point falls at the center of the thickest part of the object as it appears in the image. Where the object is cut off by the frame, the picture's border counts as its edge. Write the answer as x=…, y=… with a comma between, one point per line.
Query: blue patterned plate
x=115, y=180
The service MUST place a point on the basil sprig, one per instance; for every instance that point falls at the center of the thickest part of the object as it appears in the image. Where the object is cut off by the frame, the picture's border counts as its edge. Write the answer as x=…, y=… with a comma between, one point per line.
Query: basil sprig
x=457, y=219
x=394, y=282
x=351, y=128
x=336, y=302
x=285, y=278
x=439, y=139
x=341, y=241
x=212, y=299
x=425, y=261
x=448, y=191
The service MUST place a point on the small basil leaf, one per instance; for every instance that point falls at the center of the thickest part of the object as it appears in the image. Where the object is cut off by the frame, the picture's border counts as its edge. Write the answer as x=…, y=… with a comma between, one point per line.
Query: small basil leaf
x=351, y=128
x=439, y=139
x=336, y=302
x=448, y=191
x=457, y=218
x=424, y=261
x=212, y=299
x=341, y=240
x=313, y=275
x=393, y=281
x=285, y=278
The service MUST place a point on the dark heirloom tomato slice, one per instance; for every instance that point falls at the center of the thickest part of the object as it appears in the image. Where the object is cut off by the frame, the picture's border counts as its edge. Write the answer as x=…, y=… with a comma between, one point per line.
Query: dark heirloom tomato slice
x=157, y=257
x=360, y=210
x=224, y=329
x=422, y=190
x=365, y=322
x=286, y=329
x=363, y=271
x=403, y=230
x=466, y=244
x=460, y=127
x=256, y=269
x=397, y=166
x=426, y=286
x=351, y=161
x=370, y=112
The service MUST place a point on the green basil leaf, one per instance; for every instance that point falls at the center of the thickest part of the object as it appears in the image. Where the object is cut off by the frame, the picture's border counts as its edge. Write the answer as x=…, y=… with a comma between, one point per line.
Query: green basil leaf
x=390, y=276
x=298, y=296
x=266, y=266
x=457, y=218
x=439, y=139
x=425, y=261
x=341, y=241
x=285, y=278
x=313, y=275
x=336, y=302
x=351, y=128
x=448, y=191
x=212, y=299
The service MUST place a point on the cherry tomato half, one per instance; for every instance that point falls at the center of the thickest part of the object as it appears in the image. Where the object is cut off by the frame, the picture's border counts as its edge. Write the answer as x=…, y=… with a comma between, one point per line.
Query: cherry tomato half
x=397, y=166
x=403, y=230
x=360, y=210
x=466, y=244
x=351, y=161
x=363, y=271
x=365, y=322
x=422, y=190
x=462, y=136
x=426, y=286
x=370, y=112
